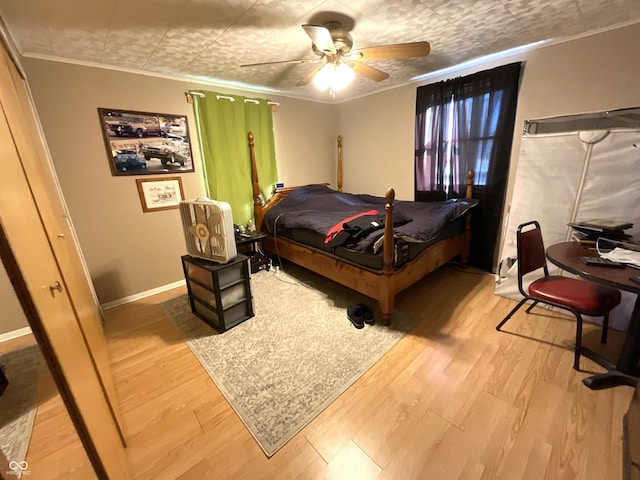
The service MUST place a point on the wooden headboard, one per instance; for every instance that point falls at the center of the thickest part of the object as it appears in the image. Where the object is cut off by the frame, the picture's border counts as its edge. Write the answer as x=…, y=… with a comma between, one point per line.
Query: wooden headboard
x=259, y=207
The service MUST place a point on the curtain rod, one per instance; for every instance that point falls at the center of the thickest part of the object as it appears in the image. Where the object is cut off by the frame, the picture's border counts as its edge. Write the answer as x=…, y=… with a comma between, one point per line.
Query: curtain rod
x=191, y=93
x=253, y=100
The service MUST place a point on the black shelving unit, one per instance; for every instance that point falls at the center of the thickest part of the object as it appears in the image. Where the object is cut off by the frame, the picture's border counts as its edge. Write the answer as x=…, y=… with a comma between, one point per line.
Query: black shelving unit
x=219, y=294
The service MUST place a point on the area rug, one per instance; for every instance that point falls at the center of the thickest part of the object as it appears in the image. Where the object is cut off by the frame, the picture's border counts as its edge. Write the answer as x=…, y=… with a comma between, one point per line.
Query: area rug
x=19, y=401
x=281, y=368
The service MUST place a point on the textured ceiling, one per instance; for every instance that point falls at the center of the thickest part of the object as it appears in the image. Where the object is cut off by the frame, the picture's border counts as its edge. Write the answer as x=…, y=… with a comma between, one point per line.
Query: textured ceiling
x=208, y=40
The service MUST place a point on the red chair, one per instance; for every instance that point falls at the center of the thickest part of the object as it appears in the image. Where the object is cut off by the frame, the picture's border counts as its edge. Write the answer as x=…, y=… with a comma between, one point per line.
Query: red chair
x=580, y=297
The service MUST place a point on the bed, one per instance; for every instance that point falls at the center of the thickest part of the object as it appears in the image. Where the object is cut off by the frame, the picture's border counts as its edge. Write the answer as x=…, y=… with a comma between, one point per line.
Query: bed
x=379, y=262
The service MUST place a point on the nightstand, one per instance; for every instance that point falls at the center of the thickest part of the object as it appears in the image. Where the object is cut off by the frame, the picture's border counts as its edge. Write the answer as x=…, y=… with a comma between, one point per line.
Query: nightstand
x=219, y=294
x=247, y=243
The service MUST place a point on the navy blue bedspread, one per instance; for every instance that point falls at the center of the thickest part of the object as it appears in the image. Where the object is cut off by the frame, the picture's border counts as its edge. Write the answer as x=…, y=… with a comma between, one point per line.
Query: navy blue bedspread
x=319, y=208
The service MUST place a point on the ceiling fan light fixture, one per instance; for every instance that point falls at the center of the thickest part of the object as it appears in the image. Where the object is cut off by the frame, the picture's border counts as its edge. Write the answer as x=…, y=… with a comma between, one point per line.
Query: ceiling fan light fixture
x=334, y=77
x=339, y=63
x=323, y=78
x=343, y=76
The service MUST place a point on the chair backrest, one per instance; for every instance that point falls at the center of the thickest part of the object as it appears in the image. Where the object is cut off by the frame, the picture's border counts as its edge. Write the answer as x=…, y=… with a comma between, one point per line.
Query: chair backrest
x=530, y=251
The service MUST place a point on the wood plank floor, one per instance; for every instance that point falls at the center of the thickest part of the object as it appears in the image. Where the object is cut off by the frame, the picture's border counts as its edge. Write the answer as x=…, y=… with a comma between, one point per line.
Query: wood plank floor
x=454, y=399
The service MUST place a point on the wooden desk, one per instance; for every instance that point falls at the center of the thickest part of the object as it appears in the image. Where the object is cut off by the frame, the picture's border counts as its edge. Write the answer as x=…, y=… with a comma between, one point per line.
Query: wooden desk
x=567, y=255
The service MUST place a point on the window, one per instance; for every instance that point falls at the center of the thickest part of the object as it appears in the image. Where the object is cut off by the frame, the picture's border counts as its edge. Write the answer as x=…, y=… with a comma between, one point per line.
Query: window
x=467, y=124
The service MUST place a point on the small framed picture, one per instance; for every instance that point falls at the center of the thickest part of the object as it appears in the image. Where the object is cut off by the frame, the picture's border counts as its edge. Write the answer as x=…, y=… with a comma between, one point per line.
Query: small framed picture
x=158, y=194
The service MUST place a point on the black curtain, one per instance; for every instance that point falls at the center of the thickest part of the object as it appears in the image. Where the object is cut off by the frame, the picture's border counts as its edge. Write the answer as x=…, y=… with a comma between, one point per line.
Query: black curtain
x=433, y=104
x=467, y=124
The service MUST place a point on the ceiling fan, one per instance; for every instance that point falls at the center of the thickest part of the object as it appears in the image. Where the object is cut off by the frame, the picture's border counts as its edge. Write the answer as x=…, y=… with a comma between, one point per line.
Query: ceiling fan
x=339, y=63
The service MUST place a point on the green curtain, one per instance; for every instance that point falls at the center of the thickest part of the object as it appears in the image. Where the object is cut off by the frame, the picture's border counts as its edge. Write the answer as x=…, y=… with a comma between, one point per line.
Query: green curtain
x=222, y=127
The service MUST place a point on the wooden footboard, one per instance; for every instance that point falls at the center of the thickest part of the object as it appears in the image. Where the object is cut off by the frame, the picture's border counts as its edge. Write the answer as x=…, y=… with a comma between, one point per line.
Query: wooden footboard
x=381, y=285
x=376, y=284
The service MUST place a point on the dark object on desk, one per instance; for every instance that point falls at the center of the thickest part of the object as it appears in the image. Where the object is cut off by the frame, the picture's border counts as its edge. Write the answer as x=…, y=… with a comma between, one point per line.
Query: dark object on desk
x=635, y=279
x=588, y=232
x=579, y=297
x=601, y=262
x=604, y=224
x=219, y=294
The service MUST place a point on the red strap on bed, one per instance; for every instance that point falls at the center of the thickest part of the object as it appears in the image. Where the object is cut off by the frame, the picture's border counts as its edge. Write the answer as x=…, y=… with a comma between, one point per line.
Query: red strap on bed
x=338, y=227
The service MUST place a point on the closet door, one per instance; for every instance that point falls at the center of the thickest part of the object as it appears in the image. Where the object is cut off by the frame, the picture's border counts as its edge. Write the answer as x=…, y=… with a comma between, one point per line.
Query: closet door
x=25, y=131
x=39, y=285
x=38, y=249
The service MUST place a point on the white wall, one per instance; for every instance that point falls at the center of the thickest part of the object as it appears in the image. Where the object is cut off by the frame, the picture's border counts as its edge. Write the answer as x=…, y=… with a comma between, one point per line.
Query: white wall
x=378, y=133
x=305, y=135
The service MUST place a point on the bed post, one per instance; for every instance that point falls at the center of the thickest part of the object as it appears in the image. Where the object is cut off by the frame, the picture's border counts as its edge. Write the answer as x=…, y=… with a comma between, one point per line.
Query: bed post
x=339, y=163
x=386, y=293
x=257, y=201
x=387, y=252
x=469, y=191
x=467, y=229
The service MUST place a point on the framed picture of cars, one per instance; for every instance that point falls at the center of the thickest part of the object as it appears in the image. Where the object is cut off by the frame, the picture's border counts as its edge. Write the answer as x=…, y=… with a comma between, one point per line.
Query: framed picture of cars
x=141, y=143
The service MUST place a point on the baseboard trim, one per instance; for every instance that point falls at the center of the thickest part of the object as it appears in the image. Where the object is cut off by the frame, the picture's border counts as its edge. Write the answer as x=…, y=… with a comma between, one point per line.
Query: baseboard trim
x=21, y=332
x=138, y=296
x=5, y=337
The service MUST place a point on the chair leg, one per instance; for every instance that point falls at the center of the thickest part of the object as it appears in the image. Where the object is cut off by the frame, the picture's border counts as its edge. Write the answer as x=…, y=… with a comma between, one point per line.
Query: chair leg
x=510, y=314
x=605, y=328
x=576, y=358
x=535, y=302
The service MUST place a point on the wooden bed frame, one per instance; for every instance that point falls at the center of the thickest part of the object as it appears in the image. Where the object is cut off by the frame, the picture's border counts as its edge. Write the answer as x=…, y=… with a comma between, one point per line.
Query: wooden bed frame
x=381, y=285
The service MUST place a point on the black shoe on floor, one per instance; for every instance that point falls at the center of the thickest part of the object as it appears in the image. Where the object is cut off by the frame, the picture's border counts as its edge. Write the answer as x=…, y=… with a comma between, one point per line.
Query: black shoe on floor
x=367, y=314
x=355, y=316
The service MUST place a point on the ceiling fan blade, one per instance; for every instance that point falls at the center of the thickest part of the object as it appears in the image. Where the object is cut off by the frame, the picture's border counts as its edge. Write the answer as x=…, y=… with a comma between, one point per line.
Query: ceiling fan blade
x=282, y=62
x=398, y=50
x=321, y=38
x=307, y=79
x=369, y=72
